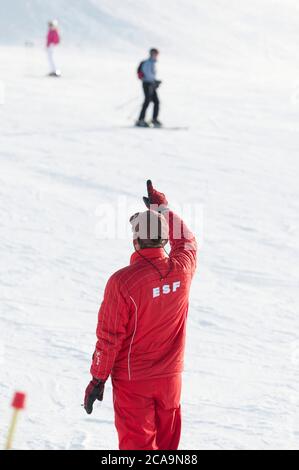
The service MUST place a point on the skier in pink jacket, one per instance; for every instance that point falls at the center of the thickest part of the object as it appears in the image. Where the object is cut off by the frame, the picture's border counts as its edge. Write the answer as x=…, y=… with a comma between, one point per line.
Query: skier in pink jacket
x=53, y=39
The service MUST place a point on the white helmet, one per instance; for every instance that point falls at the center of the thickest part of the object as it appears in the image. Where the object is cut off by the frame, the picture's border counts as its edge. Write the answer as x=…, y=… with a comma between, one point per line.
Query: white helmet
x=53, y=23
x=150, y=227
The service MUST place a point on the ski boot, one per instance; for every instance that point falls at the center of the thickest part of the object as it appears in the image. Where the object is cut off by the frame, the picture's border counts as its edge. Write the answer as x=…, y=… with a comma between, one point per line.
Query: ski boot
x=156, y=123
x=141, y=123
x=57, y=73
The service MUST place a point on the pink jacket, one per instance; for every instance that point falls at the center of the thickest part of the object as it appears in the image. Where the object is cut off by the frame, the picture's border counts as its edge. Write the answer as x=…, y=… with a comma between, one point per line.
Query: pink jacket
x=53, y=37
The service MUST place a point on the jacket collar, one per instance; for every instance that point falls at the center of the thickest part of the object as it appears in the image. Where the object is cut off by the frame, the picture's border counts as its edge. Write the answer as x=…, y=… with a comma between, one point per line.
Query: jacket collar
x=147, y=253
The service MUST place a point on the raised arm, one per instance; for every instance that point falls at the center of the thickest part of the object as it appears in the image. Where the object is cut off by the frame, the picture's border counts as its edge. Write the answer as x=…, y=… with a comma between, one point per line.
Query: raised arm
x=182, y=241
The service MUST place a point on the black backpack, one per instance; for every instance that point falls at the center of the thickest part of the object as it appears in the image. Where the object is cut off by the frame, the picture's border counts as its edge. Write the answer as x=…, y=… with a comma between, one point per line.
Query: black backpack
x=140, y=74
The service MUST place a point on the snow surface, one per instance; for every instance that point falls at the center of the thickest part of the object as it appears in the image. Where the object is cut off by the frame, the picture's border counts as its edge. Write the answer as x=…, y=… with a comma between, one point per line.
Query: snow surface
x=230, y=72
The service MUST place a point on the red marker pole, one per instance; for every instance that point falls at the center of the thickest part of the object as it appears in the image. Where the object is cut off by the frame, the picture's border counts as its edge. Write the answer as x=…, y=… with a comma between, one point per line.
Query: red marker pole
x=18, y=404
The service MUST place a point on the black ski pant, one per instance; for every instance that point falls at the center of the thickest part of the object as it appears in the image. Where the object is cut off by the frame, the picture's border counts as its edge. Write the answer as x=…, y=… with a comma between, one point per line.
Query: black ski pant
x=150, y=95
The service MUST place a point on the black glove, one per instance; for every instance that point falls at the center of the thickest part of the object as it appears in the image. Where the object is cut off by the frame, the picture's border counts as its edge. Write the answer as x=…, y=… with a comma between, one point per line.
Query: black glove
x=157, y=83
x=93, y=392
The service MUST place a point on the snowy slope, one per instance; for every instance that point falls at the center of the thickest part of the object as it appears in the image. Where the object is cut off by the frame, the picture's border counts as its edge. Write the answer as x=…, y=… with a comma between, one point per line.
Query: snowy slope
x=212, y=32
x=66, y=147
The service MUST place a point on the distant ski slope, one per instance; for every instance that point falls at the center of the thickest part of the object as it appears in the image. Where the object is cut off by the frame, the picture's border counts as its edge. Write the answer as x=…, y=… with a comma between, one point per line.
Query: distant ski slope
x=211, y=32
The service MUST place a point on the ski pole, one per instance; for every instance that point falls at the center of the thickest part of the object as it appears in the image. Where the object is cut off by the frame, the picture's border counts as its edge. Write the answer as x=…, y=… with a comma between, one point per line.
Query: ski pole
x=123, y=105
x=18, y=404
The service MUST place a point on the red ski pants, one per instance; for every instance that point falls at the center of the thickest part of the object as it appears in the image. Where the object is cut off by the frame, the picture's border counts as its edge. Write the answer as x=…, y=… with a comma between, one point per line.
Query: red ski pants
x=148, y=413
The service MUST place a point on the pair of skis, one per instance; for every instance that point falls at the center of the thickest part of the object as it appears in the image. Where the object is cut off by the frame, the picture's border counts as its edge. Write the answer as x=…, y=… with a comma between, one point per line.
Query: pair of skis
x=165, y=128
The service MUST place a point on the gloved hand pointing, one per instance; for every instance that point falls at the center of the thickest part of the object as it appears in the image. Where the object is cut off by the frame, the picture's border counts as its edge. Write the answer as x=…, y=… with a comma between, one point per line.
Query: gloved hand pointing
x=154, y=197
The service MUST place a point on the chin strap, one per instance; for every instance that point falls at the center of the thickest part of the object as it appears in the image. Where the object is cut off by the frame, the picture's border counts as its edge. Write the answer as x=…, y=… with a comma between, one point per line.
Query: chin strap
x=156, y=267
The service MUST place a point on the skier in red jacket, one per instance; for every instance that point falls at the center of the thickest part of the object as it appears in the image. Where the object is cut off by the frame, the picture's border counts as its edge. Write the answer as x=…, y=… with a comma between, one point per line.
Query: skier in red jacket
x=141, y=330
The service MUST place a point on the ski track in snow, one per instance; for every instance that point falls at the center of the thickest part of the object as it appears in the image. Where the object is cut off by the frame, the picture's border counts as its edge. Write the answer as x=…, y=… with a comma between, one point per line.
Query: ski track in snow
x=65, y=147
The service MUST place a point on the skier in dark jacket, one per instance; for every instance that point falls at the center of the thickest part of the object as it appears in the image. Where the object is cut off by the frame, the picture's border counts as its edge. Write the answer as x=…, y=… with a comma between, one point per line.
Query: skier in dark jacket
x=150, y=85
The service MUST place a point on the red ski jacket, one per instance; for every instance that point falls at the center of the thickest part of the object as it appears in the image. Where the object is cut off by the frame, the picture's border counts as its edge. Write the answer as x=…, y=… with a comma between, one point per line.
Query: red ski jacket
x=142, y=320
x=53, y=37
